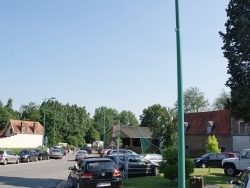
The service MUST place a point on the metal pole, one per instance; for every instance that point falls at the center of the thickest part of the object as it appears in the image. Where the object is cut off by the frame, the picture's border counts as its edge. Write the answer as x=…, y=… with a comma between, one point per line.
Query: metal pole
x=181, y=141
x=44, y=121
x=104, y=130
x=54, y=131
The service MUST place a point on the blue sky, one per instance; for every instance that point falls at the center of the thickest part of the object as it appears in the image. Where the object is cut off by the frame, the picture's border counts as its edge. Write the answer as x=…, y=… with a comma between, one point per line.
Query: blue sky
x=115, y=53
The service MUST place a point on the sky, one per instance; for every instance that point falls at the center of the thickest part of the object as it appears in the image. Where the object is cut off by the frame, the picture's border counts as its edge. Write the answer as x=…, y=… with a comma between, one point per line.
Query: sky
x=115, y=53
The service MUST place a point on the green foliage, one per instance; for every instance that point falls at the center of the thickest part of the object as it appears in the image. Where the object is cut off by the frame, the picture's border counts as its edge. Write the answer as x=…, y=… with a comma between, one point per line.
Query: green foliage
x=162, y=122
x=221, y=101
x=212, y=144
x=170, y=166
x=127, y=118
x=30, y=112
x=194, y=100
x=236, y=48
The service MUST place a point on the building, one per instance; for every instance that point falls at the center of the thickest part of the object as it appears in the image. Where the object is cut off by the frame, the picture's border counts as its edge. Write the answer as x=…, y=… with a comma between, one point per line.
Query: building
x=21, y=134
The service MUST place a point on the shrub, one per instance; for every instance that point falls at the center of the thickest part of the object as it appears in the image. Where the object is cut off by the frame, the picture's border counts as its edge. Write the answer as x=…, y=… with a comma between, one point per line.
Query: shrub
x=170, y=165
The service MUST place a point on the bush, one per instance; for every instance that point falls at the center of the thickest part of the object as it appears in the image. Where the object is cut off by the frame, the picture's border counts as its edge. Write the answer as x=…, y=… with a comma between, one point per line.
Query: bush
x=170, y=165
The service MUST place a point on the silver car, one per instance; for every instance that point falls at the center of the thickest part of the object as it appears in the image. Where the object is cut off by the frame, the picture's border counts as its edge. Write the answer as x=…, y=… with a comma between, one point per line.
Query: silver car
x=56, y=153
x=152, y=157
x=81, y=154
x=8, y=156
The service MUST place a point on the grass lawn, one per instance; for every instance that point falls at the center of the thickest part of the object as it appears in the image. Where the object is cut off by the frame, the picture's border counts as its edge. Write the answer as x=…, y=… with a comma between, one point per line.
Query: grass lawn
x=212, y=176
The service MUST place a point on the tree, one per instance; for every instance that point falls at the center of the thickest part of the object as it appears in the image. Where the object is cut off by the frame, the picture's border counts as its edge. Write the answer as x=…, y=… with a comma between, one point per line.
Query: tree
x=236, y=49
x=162, y=122
x=221, y=101
x=30, y=112
x=127, y=118
x=212, y=144
x=194, y=100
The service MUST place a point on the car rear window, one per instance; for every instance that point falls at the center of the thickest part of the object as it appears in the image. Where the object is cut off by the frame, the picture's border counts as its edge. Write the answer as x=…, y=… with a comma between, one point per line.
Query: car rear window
x=56, y=150
x=1, y=152
x=100, y=165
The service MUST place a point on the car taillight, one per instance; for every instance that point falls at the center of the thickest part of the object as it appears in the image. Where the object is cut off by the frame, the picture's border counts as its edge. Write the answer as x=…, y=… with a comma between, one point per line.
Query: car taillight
x=87, y=175
x=2, y=155
x=116, y=173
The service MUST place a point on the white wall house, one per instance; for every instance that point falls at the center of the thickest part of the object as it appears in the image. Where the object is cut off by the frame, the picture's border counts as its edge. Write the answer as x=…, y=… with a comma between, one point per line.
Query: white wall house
x=21, y=134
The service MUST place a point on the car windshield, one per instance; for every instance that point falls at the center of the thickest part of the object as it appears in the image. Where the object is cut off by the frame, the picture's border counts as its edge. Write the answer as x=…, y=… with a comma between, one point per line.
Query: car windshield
x=56, y=150
x=25, y=152
x=81, y=152
x=100, y=165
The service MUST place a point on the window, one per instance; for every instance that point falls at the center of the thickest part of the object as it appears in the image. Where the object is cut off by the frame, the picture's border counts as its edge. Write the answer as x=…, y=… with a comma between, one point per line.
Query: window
x=11, y=131
x=210, y=125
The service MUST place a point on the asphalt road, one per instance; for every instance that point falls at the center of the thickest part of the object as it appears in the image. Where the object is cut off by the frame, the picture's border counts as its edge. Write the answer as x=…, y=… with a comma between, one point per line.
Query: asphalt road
x=41, y=174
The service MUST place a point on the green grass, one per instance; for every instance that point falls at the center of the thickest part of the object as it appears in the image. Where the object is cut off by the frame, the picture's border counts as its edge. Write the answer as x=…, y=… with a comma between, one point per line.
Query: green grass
x=212, y=176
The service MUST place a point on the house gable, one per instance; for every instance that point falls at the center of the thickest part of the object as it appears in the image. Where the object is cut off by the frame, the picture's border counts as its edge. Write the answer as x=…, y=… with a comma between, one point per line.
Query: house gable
x=15, y=127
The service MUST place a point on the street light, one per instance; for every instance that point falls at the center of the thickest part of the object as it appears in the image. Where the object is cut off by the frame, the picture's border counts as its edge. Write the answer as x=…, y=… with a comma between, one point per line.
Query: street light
x=44, y=109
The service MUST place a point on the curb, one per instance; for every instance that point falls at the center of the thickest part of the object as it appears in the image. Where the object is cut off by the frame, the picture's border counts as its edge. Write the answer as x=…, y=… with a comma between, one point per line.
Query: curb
x=62, y=184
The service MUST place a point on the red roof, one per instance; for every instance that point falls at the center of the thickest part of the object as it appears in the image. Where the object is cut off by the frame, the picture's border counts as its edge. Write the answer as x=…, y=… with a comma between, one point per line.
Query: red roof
x=23, y=127
x=197, y=122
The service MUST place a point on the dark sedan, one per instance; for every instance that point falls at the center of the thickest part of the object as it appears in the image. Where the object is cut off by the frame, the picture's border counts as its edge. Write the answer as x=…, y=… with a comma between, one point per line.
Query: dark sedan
x=42, y=155
x=27, y=155
x=136, y=165
x=210, y=160
x=94, y=172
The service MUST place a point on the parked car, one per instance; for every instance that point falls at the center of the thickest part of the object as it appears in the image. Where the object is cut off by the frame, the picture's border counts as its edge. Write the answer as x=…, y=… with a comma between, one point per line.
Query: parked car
x=136, y=165
x=242, y=180
x=42, y=155
x=231, y=154
x=210, y=160
x=87, y=148
x=56, y=154
x=27, y=155
x=8, y=156
x=114, y=151
x=81, y=154
x=152, y=157
x=94, y=172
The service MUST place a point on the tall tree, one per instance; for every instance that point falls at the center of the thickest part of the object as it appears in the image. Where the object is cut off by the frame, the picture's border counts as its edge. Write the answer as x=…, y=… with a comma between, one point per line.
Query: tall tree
x=236, y=49
x=128, y=118
x=221, y=101
x=162, y=122
x=30, y=112
x=194, y=100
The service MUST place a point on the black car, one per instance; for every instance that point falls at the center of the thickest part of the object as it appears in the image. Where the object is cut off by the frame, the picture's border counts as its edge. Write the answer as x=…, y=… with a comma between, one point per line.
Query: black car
x=94, y=172
x=27, y=155
x=86, y=148
x=42, y=155
x=210, y=160
x=136, y=165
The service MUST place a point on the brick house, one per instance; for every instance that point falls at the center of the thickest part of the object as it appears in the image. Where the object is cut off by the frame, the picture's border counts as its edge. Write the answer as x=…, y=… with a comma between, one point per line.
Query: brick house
x=232, y=134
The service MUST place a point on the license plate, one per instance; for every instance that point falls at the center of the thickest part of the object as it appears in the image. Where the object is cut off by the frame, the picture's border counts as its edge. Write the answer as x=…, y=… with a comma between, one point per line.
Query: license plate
x=103, y=184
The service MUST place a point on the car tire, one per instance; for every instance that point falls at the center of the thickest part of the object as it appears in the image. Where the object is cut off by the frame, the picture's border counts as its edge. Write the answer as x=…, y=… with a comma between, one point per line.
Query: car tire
x=230, y=170
x=36, y=159
x=17, y=161
x=5, y=162
x=70, y=183
x=203, y=165
x=47, y=157
x=28, y=160
x=156, y=171
x=41, y=158
x=78, y=185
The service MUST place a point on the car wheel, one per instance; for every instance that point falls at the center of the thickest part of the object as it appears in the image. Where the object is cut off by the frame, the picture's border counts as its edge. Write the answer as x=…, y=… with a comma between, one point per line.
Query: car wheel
x=230, y=170
x=156, y=171
x=203, y=165
x=70, y=183
x=5, y=162
x=28, y=160
x=36, y=159
x=41, y=158
x=78, y=185
x=17, y=161
x=47, y=157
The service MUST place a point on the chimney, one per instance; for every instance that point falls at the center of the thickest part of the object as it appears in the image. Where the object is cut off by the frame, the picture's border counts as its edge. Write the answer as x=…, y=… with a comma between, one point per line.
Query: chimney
x=34, y=128
x=22, y=127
